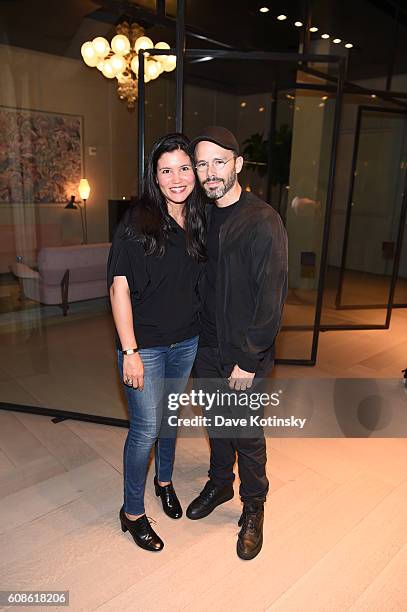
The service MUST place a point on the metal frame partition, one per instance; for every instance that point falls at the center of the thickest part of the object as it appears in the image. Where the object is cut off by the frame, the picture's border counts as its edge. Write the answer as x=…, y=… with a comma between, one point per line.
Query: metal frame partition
x=301, y=60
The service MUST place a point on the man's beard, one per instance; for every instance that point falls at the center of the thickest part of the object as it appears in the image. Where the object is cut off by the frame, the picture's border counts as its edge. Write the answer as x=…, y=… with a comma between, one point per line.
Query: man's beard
x=221, y=190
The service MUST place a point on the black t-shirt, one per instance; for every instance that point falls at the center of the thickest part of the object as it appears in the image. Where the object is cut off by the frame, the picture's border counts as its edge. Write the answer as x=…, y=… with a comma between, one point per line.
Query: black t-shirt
x=163, y=290
x=208, y=336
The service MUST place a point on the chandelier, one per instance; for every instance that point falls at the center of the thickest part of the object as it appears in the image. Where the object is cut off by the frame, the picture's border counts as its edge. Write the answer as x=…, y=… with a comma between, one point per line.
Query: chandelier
x=120, y=59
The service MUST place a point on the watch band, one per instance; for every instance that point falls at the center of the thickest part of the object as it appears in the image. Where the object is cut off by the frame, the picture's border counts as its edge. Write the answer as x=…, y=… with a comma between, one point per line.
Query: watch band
x=130, y=351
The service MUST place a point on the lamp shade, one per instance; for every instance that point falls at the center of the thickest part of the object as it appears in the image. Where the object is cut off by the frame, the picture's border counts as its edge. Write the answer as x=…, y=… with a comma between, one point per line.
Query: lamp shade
x=153, y=69
x=144, y=42
x=87, y=50
x=118, y=63
x=101, y=46
x=120, y=44
x=84, y=189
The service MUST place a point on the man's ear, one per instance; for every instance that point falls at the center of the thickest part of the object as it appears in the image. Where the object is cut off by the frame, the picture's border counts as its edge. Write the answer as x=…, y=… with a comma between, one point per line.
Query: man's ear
x=239, y=164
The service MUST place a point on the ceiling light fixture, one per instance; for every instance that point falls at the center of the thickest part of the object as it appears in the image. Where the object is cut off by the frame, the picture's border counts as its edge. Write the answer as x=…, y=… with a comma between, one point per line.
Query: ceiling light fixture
x=324, y=35
x=282, y=17
x=298, y=24
x=337, y=41
x=264, y=9
x=349, y=45
x=313, y=29
x=120, y=59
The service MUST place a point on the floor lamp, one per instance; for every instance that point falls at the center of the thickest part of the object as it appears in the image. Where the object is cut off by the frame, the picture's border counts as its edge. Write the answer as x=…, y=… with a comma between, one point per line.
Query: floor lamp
x=84, y=191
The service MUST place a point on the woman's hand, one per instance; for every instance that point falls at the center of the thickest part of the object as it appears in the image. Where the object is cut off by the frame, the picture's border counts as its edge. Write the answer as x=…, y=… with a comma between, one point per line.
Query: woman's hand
x=133, y=371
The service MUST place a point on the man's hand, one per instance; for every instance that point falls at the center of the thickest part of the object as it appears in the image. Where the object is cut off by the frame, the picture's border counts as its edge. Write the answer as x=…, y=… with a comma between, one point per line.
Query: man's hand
x=133, y=371
x=240, y=380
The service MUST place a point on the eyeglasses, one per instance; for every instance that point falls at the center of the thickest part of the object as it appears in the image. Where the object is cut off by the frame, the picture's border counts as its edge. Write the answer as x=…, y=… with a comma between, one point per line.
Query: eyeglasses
x=217, y=164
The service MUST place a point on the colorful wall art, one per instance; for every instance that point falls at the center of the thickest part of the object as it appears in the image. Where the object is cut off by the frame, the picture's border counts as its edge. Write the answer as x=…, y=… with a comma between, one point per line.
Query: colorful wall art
x=40, y=156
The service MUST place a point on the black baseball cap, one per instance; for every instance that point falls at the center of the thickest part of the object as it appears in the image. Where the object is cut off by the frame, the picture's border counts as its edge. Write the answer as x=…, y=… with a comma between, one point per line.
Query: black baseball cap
x=219, y=135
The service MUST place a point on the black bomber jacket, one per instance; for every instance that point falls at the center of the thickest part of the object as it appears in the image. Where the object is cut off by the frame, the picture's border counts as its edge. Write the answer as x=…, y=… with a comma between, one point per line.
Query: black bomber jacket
x=251, y=284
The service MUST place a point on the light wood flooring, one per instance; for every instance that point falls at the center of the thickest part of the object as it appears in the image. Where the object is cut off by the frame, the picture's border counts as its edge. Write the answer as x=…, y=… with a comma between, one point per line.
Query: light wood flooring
x=336, y=515
x=335, y=527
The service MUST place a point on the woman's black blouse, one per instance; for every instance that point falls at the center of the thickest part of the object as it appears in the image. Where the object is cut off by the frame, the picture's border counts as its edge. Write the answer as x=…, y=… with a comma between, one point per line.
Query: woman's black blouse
x=163, y=290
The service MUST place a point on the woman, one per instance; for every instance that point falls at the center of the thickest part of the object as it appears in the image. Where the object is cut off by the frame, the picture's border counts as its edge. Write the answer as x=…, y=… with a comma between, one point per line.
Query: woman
x=153, y=270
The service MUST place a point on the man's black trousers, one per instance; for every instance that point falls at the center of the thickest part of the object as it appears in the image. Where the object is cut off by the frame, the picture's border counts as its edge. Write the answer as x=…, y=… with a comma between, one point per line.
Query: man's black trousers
x=251, y=451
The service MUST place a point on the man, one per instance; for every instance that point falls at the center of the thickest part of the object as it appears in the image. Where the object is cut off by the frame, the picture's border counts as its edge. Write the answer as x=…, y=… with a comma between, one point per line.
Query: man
x=243, y=291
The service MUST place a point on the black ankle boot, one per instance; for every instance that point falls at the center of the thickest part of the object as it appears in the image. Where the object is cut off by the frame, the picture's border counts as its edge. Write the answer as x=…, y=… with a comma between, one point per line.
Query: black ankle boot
x=250, y=539
x=169, y=499
x=212, y=495
x=142, y=532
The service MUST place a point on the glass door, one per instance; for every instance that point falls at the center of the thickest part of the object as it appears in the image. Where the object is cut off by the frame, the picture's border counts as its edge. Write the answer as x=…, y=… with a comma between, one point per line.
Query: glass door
x=364, y=264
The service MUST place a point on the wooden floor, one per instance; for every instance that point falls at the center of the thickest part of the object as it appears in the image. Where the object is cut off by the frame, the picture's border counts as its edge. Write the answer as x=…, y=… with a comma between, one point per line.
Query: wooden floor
x=336, y=515
x=335, y=528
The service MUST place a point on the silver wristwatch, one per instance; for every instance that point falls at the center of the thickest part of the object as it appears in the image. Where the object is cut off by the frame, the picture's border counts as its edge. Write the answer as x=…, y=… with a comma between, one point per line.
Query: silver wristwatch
x=130, y=351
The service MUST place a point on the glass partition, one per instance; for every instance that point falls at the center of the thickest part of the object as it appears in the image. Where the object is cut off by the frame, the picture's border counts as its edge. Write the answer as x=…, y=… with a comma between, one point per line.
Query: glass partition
x=286, y=137
x=366, y=219
x=302, y=202
x=62, y=121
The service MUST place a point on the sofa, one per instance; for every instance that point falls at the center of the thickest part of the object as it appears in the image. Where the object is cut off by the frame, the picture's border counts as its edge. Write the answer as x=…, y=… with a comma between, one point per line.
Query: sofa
x=65, y=274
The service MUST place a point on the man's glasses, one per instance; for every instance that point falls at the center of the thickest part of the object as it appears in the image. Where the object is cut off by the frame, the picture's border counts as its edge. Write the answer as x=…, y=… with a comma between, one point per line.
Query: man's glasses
x=217, y=164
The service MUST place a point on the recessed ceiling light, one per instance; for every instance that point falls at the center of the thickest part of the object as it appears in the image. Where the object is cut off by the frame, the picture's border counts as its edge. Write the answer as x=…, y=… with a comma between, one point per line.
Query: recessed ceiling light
x=324, y=98
x=282, y=17
x=261, y=109
x=337, y=41
x=349, y=45
x=298, y=24
x=313, y=29
x=321, y=104
x=325, y=36
x=264, y=9
x=373, y=96
x=243, y=104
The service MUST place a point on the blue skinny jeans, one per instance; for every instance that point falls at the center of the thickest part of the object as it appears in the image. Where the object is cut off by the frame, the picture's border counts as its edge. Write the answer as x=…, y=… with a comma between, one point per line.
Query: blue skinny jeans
x=166, y=370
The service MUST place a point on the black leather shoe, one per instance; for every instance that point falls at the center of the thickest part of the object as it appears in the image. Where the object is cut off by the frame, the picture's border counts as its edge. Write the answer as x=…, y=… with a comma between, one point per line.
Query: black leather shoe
x=142, y=532
x=211, y=496
x=169, y=499
x=250, y=539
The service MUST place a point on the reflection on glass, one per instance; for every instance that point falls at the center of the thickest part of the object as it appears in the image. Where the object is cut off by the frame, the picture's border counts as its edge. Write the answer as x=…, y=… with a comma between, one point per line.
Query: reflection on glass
x=308, y=117
x=52, y=135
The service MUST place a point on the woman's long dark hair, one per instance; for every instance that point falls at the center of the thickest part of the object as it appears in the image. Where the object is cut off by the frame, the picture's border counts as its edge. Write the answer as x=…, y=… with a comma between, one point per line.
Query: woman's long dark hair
x=149, y=218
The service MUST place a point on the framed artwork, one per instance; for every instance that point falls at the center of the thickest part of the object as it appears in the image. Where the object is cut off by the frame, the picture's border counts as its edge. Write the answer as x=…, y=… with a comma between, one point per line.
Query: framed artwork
x=41, y=159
